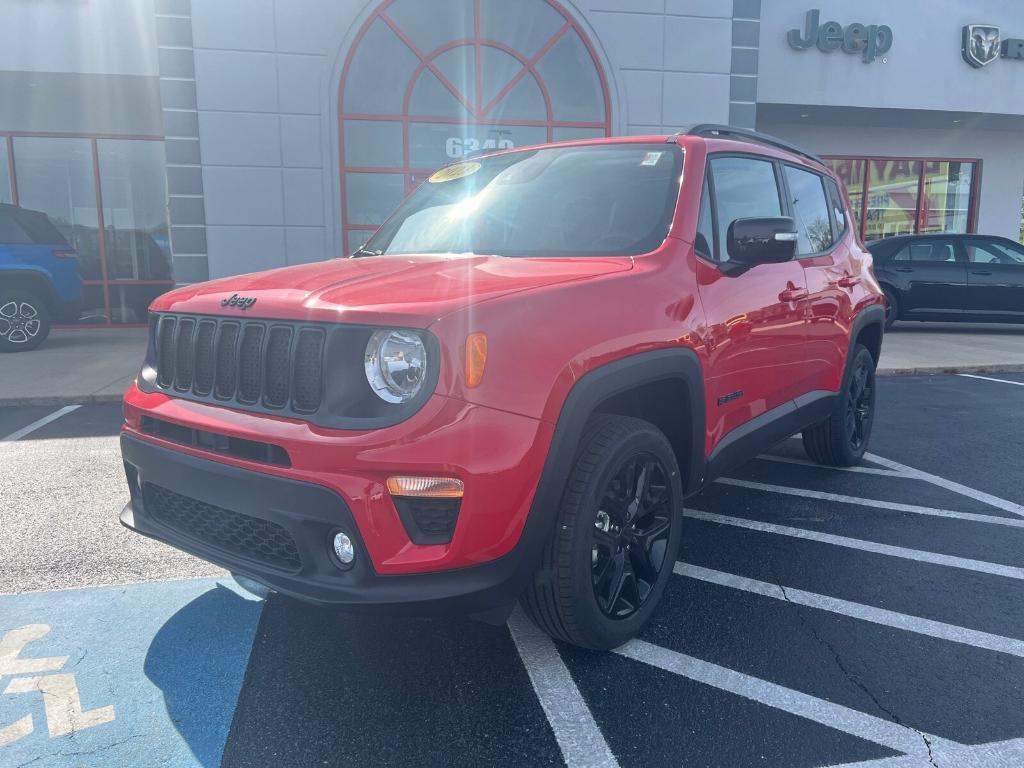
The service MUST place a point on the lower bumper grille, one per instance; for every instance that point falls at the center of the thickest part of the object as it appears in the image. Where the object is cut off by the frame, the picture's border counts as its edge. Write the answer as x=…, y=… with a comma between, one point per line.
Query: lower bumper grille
x=233, y=532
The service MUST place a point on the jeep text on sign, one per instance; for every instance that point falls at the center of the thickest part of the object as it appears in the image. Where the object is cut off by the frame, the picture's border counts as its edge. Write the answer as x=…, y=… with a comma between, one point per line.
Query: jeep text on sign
x=870, y=40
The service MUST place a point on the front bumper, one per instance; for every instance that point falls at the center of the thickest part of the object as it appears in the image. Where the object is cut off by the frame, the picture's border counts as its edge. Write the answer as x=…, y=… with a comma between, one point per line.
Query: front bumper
x=309, y=515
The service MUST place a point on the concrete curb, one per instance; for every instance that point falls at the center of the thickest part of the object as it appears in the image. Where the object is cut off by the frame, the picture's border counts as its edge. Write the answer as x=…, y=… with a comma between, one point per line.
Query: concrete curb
x=952, y=369
x=61, y=401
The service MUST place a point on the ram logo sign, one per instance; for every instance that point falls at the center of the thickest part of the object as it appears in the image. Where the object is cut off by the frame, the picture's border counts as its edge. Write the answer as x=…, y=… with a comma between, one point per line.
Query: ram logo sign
x=981, y=44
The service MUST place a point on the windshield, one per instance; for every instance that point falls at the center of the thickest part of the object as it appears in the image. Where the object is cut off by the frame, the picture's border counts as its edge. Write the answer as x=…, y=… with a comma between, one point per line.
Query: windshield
x=593, y=200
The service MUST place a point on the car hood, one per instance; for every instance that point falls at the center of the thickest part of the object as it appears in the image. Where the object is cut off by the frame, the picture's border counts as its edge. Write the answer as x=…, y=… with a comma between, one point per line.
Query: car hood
x=411, y=290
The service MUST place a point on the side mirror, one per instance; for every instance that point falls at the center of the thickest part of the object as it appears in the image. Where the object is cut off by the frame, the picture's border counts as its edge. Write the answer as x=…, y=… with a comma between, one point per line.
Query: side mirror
x=761, y=240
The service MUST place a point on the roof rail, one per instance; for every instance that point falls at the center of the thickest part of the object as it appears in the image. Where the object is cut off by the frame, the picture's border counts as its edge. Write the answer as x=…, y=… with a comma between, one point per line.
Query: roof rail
x=745, y=134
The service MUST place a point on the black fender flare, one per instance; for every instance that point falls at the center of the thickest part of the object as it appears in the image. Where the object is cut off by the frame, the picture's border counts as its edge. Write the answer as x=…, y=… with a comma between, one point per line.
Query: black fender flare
x=583, y=399
x=873, y=314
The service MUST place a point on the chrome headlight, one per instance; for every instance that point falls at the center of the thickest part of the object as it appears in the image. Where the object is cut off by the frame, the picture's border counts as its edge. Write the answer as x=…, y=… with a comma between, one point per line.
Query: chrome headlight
x=396, y=365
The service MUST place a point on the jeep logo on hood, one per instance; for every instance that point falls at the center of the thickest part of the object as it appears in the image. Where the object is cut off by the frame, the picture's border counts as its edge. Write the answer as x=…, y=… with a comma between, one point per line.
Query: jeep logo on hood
x=241, y=302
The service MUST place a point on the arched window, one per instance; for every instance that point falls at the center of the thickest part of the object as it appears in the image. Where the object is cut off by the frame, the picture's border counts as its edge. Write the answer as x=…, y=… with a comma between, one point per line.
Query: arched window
x=425, y=83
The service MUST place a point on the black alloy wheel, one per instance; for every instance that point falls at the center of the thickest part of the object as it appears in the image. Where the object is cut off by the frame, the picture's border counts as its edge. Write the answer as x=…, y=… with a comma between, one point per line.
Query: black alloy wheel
x=614, y=542
x=841, y=439
x=631, y=533
x=860, y=400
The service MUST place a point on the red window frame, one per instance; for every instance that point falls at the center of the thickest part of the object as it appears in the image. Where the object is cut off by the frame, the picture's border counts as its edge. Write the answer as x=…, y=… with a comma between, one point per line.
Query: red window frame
x=101, y=239
x=477, y=110
x=862, y=214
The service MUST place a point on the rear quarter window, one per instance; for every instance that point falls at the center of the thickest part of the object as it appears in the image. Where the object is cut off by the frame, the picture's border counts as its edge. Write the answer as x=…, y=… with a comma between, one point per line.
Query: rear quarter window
x=10, y=232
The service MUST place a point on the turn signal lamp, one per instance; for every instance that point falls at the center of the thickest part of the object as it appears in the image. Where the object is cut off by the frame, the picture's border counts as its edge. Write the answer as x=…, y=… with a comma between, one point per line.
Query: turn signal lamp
x=476, y=359
x=426, y=487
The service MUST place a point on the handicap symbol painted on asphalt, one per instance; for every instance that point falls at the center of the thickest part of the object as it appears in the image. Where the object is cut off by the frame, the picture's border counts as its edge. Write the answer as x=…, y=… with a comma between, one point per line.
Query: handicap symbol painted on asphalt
x=127, y=675
x=61, y=701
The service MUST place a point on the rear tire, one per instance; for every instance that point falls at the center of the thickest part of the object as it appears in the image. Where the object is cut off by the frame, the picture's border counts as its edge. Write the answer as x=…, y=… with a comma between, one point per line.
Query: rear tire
x=614, y=544
x=842, y=438
x=24, y=320
x=892, y=307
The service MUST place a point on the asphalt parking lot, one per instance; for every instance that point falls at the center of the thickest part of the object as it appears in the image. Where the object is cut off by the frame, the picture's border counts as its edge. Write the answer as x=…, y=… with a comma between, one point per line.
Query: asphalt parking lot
x=819, y=617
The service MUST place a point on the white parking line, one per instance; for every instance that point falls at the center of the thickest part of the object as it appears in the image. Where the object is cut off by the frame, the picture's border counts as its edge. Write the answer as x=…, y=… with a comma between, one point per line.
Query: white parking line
x=579, y=738
x=949, y=485
x=873, y=503
x=808, y=463
x=980, y=566
x=836, y=716
x=936, y=629
x=39, y=423
x=996, y=754
x=989, y=378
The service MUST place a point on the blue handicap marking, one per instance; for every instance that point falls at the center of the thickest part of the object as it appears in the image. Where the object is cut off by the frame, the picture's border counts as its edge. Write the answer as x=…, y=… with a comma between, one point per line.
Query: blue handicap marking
x=145, y=674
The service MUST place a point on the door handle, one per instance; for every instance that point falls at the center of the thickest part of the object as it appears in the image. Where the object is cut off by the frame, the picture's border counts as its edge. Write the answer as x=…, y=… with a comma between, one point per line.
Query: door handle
x=793, y=294
x=848, y=281
x=980, y=272
x=903, y=269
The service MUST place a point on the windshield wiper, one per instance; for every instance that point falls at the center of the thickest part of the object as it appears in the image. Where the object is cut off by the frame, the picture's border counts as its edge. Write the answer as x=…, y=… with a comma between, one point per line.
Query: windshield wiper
x=361, y=252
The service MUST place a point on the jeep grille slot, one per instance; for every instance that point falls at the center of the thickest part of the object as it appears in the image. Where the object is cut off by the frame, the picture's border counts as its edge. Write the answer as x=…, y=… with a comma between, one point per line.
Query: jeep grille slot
x=278, y=367
x=204, y=363
x=250, y=364
x=165, y=352
x=253, y=364
x=184, y=355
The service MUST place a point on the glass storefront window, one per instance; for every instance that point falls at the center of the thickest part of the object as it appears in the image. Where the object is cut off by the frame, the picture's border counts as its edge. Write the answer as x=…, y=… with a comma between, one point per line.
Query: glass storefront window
x=909, y=195
x=6, y=193
x=55, y=177
x=892, y=198
x=138, y=248
x=520, y=73
x=128, y=264
x=947, y=196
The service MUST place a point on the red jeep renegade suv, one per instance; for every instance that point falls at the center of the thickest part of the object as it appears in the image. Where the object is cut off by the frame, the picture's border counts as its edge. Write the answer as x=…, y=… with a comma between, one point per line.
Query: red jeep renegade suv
x=508, y=392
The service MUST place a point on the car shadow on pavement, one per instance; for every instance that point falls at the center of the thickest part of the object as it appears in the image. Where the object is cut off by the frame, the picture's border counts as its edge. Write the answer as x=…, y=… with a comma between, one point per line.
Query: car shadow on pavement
x=331, y=688
x=198, y=660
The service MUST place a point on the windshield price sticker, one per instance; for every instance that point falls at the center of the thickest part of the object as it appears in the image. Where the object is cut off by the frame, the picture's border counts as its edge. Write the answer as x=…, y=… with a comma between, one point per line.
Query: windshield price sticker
x=651, y=158
x=452, y=172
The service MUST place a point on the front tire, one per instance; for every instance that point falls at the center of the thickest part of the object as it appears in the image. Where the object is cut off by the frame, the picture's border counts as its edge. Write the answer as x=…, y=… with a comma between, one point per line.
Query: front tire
x=842, y=438
x=611, y=553
x=24, y=320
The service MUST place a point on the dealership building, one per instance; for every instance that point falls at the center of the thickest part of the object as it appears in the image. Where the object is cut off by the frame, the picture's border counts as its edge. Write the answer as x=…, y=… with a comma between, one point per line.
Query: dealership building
x=174, y=141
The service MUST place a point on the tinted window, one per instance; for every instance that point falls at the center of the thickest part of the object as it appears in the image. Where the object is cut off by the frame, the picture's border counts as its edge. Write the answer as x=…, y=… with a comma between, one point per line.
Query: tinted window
x=10, y=232
x=928, y=250
x=704, y=243
x=835, y=198
x=992, y=252
x=38, y=227
x=566, y=201
x=810, y=211
x=744, y=188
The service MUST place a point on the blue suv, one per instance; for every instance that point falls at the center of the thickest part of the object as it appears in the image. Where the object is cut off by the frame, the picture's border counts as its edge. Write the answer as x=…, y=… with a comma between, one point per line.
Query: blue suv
x=39, y=279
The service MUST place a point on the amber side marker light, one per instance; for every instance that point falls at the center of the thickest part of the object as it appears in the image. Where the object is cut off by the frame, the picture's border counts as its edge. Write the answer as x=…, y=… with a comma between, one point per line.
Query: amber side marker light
x=476, y=359
x=426, y=487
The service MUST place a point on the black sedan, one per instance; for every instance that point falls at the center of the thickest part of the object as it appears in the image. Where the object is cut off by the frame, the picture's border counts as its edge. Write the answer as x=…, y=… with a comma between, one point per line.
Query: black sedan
x=970, y=278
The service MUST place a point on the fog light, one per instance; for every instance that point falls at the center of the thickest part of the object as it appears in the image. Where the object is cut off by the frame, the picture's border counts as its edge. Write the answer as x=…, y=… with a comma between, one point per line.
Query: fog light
x=344, y=548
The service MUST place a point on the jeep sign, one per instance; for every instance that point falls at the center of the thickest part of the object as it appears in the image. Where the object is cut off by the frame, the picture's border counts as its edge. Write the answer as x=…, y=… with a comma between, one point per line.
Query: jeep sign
x=870, y=40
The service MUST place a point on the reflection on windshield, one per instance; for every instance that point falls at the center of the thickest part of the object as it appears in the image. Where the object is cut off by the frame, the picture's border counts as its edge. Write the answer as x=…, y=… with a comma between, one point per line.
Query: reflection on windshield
x=567, y=201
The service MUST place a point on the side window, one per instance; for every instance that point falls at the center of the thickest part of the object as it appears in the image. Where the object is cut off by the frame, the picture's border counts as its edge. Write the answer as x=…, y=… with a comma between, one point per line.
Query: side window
x=927, y=251
x=991, y=252
x=744, y=188
x=810, y=210
x=835, y=198
x=10, y=232
x=704, y=242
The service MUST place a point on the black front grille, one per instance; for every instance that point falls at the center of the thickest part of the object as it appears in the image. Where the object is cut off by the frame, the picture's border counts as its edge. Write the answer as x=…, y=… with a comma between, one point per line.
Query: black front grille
x=224, y=529
x=263, y=363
